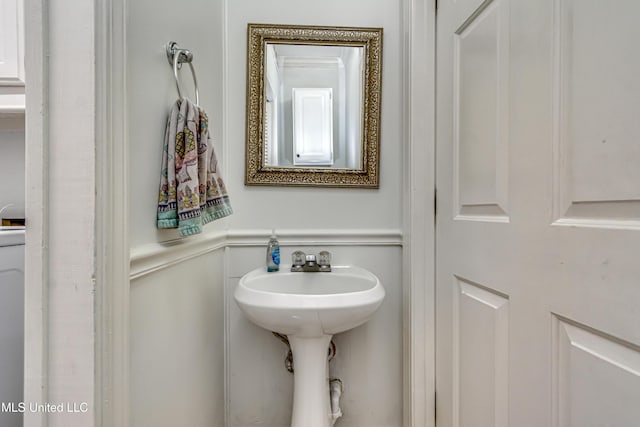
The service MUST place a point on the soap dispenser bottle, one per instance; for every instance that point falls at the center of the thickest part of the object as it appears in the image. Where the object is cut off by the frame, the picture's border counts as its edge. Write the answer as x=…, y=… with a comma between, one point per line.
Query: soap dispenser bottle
x=273, y=253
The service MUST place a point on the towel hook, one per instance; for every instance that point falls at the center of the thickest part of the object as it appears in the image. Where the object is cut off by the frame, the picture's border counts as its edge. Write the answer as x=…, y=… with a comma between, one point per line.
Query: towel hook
x=176, y=58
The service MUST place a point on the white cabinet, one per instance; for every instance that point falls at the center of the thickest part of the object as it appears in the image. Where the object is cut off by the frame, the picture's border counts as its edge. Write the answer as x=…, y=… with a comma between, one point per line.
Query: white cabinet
x=11, y=56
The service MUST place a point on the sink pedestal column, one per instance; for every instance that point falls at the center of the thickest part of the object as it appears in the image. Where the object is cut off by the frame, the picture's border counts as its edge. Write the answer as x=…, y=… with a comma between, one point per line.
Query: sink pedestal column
x=311, y=405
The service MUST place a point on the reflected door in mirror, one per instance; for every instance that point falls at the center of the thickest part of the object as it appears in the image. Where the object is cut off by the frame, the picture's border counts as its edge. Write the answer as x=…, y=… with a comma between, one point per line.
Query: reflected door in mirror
x=312, y=127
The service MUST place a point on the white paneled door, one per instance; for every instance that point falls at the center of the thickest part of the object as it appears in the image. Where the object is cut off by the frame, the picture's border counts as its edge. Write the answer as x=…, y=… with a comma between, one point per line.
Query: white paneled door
x=538, y=222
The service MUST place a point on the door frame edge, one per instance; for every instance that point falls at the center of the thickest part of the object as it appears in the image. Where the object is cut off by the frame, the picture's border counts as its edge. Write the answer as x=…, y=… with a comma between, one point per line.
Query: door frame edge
x=112, y=218
x=419, y=212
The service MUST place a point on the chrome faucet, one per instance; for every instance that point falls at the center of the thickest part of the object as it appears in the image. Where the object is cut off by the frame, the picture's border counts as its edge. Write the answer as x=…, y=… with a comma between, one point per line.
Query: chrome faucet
x=309, y=263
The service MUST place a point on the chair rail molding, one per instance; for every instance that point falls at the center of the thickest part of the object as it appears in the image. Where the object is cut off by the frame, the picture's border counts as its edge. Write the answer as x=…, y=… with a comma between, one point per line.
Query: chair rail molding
x=152, y=257
x=327, y=237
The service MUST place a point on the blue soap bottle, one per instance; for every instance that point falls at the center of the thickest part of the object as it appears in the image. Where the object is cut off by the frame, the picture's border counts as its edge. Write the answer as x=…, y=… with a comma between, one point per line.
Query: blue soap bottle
x=273, y=253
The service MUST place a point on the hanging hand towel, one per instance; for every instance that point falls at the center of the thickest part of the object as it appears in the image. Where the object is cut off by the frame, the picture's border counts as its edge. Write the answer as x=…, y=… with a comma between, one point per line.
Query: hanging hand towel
x=192, y=192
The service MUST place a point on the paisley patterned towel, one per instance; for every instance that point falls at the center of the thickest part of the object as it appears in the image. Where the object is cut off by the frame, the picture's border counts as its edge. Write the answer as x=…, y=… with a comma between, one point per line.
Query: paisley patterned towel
x=192, y=192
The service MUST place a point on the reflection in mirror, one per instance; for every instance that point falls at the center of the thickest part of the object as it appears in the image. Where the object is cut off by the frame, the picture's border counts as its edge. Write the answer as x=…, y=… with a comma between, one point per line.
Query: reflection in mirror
x=312, y=127
x=313, y=105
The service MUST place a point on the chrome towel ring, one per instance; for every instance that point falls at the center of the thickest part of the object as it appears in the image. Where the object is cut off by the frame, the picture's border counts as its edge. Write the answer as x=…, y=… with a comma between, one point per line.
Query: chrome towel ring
x=176, y=58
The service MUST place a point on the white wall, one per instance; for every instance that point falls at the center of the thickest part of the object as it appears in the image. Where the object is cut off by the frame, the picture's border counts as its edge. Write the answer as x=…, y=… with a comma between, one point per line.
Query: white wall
x=12, y=173
x=315, y=208
x=177, y=346
x=353, y=107
x=196, y=25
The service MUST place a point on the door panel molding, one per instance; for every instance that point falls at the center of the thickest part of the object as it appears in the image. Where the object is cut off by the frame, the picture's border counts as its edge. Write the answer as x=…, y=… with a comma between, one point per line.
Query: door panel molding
x=481, y=114
x=596, y=377
x=595, y=182
x=480, y=354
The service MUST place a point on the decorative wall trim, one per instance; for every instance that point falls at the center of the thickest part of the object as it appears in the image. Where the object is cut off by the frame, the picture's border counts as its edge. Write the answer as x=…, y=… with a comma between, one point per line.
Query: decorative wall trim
x=153, y=257
x=112, y=331
x=225, y=155
x=149, y=258
x=325, y=237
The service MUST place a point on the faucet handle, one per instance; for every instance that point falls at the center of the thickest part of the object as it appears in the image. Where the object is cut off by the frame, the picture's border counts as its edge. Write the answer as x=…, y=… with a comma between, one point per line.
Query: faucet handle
x=324, y=260
x=297, y=260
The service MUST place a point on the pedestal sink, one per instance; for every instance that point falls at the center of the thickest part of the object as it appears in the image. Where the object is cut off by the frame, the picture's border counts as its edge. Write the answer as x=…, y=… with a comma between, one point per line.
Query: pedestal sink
x=309, y=308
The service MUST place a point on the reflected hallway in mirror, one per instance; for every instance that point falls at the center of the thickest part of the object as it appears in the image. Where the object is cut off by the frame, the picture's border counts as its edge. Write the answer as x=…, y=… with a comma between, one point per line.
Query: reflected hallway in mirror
x=313, y=106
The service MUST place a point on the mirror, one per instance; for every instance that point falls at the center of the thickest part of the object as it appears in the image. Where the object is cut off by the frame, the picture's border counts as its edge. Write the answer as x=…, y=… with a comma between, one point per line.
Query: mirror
x=313, y=106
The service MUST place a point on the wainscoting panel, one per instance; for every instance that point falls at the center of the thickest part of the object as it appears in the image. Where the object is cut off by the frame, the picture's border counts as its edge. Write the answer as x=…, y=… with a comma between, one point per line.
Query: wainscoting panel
x=177, y=344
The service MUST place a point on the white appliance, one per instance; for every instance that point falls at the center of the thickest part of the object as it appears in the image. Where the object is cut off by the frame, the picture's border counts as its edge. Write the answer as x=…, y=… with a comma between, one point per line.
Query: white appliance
x=11, y=325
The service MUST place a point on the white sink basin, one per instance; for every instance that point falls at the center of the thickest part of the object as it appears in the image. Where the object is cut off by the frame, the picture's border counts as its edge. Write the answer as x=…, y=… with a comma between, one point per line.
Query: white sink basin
x=309, y=308
x=309, y=304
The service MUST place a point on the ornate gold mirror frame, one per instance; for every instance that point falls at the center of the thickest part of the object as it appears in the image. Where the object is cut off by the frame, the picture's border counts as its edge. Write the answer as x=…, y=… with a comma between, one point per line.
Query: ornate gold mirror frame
x=259, y=173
